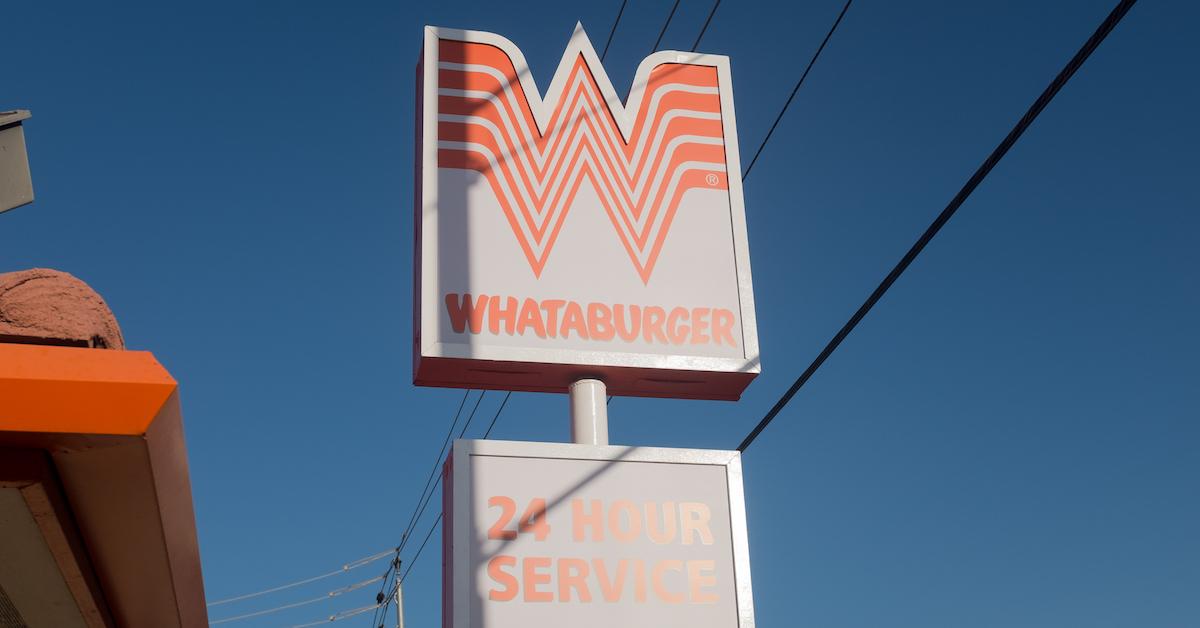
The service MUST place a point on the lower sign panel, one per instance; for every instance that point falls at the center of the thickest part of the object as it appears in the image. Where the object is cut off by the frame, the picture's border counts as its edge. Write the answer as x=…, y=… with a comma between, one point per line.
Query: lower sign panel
x=546, y=534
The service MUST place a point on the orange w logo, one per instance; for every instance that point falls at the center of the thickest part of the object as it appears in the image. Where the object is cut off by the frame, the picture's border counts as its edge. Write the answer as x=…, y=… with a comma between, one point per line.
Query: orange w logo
x=535, y=154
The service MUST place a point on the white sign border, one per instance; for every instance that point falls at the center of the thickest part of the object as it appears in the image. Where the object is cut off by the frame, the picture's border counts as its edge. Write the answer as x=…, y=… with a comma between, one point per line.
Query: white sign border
x=461, y=462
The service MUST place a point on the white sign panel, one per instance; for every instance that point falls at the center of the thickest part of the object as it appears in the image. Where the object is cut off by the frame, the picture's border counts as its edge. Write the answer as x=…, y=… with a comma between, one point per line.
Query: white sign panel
x=550, y=535
x=571, y=233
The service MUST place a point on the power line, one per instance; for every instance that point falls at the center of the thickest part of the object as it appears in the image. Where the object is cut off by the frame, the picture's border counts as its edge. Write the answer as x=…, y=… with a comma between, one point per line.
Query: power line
x=331, y=594
x=437, y=521
x=339, y=616
x=393, y=566
x=433, y=471
x=400, y=579
x=374, y=557
x=426, y=496
x=994, y=158
x=614, y=29
x=665, y=25
x=795, y=89
x=380, y=613
x=497, y=415
x=412, y=520
x=704, y=29
x=413, y=562
x=346, y=567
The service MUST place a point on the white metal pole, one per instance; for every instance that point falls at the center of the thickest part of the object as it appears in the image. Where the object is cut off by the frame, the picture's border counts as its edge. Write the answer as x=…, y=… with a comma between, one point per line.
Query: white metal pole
x=589, y=412
x=399, y=605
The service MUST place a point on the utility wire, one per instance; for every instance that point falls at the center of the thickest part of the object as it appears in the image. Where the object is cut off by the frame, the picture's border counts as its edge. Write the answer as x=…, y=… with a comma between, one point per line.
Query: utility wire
x=425, y=499
x=368, y=559
x=400, y=579
x=437, y=521
x=429, y=496
x=413, y=562
x=433, y=471
x=664, y=26
x=994, y=158
x=614, y=29
x=426, y=494
x=704, y=29
x=383, y=602
x=393, y=566
x=497, y=415
x=487, y=433
x=412, y=520
x=339, y=616
x=331, y=594
x=795, y=89
x=346, y=567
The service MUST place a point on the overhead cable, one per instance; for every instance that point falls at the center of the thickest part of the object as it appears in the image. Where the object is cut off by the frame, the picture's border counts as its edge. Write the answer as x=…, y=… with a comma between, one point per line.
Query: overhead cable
x=795, y=89
x=612, y=32
x=331, y=594
x=664, y=26
x=496, y=416
x=412, y=561
x=704, y=29
x=986, y=167
x=339, y=616
x=433, y=471
x=426, y=496
x=346, y=567
x=412, y=520
x=429, y=496
x=437, y=521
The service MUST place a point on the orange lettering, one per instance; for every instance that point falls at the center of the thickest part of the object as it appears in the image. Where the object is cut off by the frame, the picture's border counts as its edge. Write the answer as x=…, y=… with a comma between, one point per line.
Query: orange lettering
x=496, y=314
x=635, y=321
x=577, y=581
x=534, y=519
x=599, y=319
x=696, y=580
x=611, y=589
x=723, y=326
x=695, y=516
x=579, y=520
x=496, y=572
x=508, y=508
x=652, y=327
x=656, y=577
x=529, y=570
x=677, y=332
x=531, y=316
x=573, y=319
x=700, y=325
x=551, y=307
x=666, y=533
x=466, y=312
x=614, y=521
x=639, y=580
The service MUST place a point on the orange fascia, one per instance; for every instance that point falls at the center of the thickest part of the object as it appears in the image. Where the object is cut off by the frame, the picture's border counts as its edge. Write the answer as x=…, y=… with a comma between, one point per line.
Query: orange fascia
x=110, y=423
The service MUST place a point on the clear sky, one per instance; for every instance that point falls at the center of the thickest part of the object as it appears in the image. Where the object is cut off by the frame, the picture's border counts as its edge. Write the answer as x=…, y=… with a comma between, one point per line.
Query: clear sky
x=1010, y=439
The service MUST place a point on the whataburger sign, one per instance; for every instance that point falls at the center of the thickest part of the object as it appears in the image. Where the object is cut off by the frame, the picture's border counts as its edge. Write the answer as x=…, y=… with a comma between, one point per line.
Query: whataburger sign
x=574, y=235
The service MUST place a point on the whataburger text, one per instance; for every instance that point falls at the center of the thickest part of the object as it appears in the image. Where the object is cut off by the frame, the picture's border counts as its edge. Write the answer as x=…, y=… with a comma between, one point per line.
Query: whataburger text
x=539, y=578
x=561, y=318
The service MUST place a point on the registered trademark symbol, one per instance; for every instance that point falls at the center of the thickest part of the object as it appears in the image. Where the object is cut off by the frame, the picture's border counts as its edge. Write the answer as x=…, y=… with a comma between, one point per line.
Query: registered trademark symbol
x=712, y=179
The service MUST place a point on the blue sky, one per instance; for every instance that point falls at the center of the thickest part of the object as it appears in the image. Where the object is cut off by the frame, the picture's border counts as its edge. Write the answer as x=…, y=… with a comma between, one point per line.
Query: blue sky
x=1009, y=439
